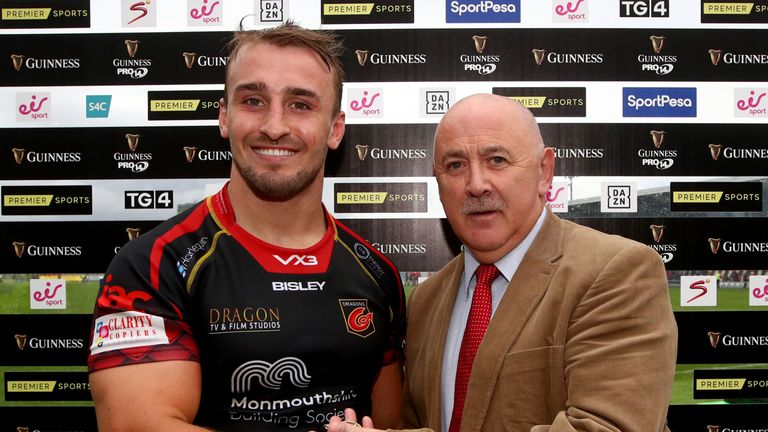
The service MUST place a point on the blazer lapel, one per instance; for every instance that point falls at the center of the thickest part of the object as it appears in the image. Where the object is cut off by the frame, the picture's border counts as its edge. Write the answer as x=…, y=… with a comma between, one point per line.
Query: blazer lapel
x=442, y=308
x=524, y=292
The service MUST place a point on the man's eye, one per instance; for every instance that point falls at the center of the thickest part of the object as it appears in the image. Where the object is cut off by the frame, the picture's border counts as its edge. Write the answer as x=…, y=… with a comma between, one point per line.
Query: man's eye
x=498, y=160
x=253, y=101
x=300, y=106
x=454, y=166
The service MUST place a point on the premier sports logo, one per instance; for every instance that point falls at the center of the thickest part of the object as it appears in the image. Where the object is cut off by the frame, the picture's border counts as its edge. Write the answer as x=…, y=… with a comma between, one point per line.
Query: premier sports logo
x=357, y=317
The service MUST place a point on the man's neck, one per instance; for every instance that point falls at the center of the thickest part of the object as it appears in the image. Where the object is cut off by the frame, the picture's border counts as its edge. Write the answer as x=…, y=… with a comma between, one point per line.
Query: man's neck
x=296, y=223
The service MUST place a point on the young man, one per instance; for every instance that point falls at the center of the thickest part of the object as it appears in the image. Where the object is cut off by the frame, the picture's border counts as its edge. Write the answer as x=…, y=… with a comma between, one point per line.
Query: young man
x=255, y=309
x=539, y=325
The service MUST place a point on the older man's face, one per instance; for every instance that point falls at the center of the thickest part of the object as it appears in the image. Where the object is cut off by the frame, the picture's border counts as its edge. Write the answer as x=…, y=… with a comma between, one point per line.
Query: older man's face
x=491, y=179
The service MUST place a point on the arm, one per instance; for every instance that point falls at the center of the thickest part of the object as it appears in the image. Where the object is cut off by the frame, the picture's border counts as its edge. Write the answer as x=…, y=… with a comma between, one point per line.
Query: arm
x=620, y=349
x=147, y=397
x=386, y=397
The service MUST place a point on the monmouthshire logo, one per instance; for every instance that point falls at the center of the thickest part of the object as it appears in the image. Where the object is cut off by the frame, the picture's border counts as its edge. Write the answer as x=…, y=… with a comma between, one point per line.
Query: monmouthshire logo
x=270, y=375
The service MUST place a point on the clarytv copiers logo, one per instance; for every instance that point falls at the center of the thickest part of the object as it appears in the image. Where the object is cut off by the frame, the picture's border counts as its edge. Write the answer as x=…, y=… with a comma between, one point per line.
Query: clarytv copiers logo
x=659, y=102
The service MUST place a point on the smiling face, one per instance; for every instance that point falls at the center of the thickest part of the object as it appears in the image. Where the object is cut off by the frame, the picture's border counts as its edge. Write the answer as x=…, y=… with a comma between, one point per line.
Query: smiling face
x=492, y=172
x=279, y=119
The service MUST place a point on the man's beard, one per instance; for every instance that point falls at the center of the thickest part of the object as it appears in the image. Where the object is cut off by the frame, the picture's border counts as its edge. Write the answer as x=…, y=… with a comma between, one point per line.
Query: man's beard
x=273, y=187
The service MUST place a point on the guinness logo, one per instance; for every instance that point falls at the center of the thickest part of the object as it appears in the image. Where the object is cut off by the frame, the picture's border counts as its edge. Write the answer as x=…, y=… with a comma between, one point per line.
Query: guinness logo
x=132, y=46
x=658, y=43
x=711, y=428
x=190, y=152
x=714, y=245
x=189, y=59
x=658, y=138
x=714, y=150
x=22, y=429
x=480, y=42
x=714, y=338
x=19, y=247
x=21, y=341
x=714, y=56
x=658, y=232
x=362, y=151
x=17, y=60
x=132, y=233
x=133, y=141
x=18, y=155
x=538, y=55
x=362, y=56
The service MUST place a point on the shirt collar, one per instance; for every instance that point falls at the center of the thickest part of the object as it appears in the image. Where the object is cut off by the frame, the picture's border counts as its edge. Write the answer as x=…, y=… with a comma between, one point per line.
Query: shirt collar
x=509, y=263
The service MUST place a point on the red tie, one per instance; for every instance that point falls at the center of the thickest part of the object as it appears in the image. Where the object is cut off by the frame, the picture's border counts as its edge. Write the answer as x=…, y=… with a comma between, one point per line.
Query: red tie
x=477, y=323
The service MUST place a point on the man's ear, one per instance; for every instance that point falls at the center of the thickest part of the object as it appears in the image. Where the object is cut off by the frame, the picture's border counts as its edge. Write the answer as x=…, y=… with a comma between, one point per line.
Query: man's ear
x=223, y=131
x=546, y=170
x=337, y=130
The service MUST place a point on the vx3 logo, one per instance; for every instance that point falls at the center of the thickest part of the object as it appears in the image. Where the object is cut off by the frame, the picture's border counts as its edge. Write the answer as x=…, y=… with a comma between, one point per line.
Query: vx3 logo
x=298, y=260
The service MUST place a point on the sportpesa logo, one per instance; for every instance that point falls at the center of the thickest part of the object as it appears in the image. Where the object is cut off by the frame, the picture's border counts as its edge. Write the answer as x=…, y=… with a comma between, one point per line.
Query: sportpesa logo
x=659, y=102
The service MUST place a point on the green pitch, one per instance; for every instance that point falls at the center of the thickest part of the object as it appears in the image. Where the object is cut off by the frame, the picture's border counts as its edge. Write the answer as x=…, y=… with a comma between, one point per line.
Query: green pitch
x=14, y=298
x=682, y=389
x=728, y=299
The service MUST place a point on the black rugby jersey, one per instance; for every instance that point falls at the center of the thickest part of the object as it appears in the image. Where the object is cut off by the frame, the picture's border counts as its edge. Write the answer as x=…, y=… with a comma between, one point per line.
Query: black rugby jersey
x=286, y=338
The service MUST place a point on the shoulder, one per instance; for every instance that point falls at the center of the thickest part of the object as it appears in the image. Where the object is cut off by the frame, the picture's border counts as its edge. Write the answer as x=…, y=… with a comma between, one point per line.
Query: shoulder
x=378, y=264
x=166, y=234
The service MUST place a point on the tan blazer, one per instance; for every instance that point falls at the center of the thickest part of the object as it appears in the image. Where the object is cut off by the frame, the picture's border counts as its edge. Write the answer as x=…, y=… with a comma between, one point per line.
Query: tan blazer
x=583, y=340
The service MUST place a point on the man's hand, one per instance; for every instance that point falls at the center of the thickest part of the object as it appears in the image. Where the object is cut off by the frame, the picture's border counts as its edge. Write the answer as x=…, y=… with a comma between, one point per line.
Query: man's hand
x=349, y=424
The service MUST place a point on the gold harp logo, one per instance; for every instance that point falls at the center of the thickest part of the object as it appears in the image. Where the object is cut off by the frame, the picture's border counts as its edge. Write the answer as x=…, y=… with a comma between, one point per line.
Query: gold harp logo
x=18, y=61
x=714, y=150
x=132, y=233
x=714, y=245
x=189, y=59
x=480, y=43
x=189, y=153
x=715, y=55
x=657, y=42
x=362, y=57
x=18, y=155
x=21, y=341
x=132, y=140
x=658, y=138
x=19, y=248
x=22, y=429
x=538, y=55
x=362, y=151
x=132, y=46
x=714, y=338
x=658, y=232
x=711, y=428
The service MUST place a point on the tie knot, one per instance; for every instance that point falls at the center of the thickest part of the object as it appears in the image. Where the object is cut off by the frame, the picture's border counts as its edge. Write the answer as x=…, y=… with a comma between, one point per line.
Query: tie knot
x=486, y=273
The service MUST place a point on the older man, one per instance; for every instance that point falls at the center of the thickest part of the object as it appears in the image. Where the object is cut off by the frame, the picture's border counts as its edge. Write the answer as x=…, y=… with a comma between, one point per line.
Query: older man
x=539, y=324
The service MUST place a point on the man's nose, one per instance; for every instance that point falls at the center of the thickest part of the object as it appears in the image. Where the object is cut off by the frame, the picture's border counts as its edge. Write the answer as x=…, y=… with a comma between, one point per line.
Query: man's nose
x=477, y=180
x=274, y=125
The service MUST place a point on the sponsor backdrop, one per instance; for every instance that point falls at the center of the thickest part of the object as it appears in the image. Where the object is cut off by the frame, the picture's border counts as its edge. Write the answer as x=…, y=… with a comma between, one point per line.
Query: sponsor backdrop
x=657, y=110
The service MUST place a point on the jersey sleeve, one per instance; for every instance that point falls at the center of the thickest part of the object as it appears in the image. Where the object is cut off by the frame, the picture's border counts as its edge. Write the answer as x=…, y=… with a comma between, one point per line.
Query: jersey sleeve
x=134, y=321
